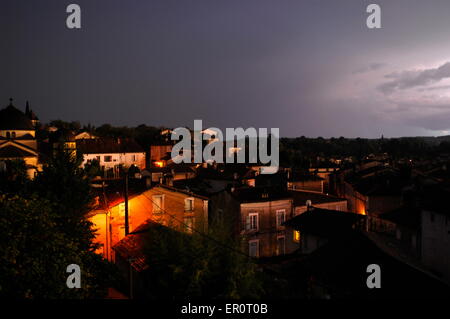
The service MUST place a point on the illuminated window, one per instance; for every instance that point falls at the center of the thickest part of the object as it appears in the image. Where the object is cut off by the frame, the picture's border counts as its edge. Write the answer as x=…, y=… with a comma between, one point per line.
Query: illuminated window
x=253, y=248
x=189, y=204
x=253, y=221
x=159, y=164
x=296, y=236
x=281, y=217
x=158, y=204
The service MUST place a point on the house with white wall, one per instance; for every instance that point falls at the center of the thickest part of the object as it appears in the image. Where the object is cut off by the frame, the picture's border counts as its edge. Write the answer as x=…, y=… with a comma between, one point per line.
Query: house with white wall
x=112, y=153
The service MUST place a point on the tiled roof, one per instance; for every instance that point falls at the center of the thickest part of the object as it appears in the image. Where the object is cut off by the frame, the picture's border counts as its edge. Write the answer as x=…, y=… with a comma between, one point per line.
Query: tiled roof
x=14, y=119
x=108, y=145
x=186, y=191
x=201, y=186
x=302, y=177
x=132, y=246
x=25, y=137
x=340, y=265
x=259, y=194
x=324, y=222
x=404, y=215
x=435, y=199
x=11, y=151
x=300, y=198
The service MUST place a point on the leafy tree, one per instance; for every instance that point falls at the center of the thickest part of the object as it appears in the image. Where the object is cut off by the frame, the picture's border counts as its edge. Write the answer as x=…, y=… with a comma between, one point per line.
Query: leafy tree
x=13, y=176
x=65, y=184
x=189, y=266
x=45, y=229
x=35, y=253
x=72, y=126
x=93, y=169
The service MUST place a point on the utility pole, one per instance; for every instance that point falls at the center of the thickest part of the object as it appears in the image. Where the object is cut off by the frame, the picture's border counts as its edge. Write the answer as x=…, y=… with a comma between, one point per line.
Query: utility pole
x=127, y=228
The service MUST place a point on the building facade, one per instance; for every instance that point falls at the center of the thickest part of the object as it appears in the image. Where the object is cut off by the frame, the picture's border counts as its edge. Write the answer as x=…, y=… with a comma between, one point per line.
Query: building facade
x=171, y=207
x=257, y=215
x=18, y=138
x=111, y=154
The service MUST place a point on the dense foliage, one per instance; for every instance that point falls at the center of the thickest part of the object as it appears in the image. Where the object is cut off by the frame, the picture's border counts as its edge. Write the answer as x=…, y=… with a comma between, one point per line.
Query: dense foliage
x=211, y=265
x=43, y=229
x=303, y=152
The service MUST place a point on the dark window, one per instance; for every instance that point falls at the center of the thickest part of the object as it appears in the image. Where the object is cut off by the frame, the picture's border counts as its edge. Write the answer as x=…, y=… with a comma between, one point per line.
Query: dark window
x=8, y=135
x=280, y=246
x=253, y=248
x=13, y=134
x=252, y=221
x=108, y=158
x=281, y=217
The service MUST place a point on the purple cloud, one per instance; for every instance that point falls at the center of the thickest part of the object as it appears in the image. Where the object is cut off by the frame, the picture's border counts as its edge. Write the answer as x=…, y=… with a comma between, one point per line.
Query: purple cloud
x=409, y=79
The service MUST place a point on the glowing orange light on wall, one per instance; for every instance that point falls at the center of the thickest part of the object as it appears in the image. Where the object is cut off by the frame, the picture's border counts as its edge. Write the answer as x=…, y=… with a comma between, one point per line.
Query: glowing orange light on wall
x=159, y=164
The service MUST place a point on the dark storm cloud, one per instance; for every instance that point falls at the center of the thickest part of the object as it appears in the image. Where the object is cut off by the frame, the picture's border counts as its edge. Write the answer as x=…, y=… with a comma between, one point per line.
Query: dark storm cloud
x=410, y=79
x=371, y=67
x=309, y=67
x=434, y=88
x=435, y=122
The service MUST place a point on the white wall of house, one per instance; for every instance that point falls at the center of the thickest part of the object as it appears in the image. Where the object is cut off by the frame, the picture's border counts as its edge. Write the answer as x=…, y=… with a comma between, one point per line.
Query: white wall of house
x=110, y=160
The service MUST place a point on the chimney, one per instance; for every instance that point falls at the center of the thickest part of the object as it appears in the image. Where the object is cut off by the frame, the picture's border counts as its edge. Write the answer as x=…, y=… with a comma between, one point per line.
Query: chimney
x=309, y=205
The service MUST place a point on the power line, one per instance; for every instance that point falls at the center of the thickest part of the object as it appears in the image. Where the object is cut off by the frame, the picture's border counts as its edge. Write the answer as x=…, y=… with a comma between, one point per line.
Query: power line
x=197, y=231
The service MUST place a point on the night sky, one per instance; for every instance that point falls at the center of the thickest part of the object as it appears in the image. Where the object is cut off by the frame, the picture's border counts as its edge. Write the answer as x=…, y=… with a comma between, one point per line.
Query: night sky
x=310, y=68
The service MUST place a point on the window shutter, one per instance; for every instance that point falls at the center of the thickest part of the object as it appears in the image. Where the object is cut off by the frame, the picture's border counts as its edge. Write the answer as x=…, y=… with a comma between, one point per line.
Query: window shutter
x=248, y=225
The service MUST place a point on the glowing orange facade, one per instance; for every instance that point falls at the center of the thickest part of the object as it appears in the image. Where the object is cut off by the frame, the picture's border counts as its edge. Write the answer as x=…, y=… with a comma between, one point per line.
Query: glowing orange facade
x=171, y=207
